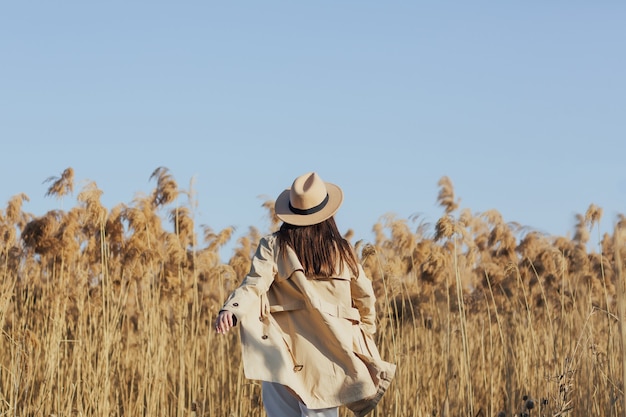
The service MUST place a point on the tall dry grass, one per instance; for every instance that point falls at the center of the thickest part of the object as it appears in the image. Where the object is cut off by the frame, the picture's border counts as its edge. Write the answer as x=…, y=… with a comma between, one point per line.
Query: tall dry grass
x=108, y=312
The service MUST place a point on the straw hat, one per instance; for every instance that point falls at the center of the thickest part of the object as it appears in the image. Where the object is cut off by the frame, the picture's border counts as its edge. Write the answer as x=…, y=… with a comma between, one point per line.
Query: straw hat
x=309, y=201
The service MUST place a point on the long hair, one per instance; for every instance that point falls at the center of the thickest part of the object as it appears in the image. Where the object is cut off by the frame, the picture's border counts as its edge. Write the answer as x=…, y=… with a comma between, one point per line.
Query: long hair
x=319, y=247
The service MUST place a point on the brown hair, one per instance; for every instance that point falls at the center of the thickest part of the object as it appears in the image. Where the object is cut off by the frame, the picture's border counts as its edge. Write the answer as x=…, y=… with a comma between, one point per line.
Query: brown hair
x=319, y=247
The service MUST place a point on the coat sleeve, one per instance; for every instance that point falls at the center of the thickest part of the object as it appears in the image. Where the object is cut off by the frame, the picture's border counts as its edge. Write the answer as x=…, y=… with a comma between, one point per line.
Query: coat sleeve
x=364, y=300
x=262, y=271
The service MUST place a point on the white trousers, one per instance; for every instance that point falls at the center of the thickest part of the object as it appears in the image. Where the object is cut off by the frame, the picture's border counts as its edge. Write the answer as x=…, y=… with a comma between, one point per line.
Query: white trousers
x=279, y=402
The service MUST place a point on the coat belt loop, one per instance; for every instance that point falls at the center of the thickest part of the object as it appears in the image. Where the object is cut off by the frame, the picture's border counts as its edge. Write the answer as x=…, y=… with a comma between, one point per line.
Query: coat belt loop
x=265, y=306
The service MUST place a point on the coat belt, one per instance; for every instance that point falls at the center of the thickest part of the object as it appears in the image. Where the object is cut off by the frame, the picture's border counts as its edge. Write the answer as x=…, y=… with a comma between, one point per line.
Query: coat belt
x=349, y=313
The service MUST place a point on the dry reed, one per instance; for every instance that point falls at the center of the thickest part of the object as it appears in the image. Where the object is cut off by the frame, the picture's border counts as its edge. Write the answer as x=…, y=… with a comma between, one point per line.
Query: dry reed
x=108, y=312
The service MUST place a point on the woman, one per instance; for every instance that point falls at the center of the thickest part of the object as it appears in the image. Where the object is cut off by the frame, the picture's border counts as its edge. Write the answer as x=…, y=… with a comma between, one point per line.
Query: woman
x=306, y=311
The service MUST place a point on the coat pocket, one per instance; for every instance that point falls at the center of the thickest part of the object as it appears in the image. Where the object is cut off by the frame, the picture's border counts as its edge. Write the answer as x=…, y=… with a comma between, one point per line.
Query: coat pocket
x=364, y=343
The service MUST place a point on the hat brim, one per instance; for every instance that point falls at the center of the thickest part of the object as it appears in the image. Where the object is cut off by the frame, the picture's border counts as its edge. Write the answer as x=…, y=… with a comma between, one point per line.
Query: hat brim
x=284, y=213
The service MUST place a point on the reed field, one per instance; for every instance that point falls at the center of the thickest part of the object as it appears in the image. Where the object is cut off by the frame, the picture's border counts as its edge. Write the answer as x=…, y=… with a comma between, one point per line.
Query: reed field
x=109, y=312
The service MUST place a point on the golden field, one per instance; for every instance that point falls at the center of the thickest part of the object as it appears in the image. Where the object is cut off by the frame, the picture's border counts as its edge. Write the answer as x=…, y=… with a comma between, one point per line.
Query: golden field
x=109, y=312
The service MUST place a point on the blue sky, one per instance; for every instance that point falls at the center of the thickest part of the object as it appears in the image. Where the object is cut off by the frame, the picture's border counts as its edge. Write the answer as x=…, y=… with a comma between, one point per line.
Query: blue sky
x=520, y=104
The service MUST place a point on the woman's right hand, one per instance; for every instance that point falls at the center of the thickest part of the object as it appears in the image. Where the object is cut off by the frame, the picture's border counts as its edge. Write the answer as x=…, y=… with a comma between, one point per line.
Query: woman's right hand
x=225, y=320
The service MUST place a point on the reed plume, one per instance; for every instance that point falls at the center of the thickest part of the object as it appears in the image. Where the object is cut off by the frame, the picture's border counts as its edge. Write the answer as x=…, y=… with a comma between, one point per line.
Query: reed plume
x=445, y=228
x=114, y=230
x=62, y=185
x=268, y=204
x=215, y=240
x=446, y=197
x=184, y=226
x=14, y=214
x=593, y=215
x=240, y=260
x=41, y=234
x=166, y=190
x=95, y=214
x=582, y=233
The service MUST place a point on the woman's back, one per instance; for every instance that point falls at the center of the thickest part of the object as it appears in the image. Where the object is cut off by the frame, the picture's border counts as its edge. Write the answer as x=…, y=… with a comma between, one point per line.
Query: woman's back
x=307, y=312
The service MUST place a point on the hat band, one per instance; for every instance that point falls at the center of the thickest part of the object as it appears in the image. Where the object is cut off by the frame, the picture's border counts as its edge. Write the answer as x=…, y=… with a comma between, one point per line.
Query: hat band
x=312, y=210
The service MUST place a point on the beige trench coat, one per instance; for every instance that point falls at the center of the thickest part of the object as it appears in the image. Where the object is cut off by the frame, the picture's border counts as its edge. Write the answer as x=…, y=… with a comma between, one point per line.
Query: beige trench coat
x=311, y=335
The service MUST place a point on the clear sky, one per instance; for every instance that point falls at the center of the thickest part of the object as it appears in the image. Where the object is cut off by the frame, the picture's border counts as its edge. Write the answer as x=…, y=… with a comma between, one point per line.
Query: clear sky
x=521, y=104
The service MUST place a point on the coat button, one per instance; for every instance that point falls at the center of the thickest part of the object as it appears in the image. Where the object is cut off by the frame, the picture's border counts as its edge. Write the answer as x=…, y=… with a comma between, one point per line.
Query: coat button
x=235, y=304
x=264, y=337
